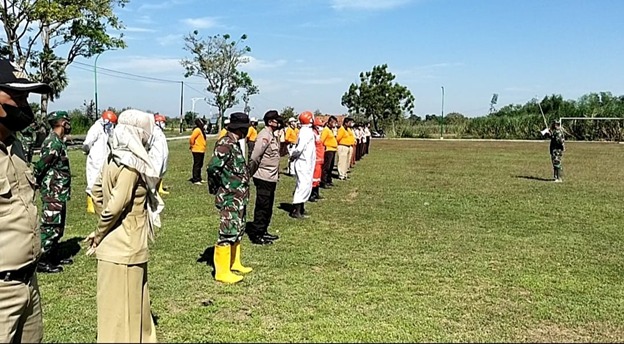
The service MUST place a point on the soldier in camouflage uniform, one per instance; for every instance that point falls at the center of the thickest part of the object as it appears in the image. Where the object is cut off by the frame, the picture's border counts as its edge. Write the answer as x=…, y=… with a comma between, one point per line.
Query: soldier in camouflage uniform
x=53, y=175
x=557, y=146
x=28, y=137
x=228, y=180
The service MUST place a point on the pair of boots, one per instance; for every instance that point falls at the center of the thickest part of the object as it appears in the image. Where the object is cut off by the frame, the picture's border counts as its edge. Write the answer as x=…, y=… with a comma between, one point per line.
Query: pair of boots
x=298, y=211
x=261, y=237
x=227, y=258
x=315, y=195
x=558, y=175
x=51, y=263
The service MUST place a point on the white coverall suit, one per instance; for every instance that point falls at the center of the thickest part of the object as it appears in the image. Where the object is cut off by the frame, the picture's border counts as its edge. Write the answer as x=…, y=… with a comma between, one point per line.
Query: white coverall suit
x=159, y=151
x=96, y=145
x=305, y=153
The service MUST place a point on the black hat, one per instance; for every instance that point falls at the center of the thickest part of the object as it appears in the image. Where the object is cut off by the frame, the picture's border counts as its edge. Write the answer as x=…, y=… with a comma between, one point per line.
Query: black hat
x=272, y=114
x=238, y=120
x=14, y=78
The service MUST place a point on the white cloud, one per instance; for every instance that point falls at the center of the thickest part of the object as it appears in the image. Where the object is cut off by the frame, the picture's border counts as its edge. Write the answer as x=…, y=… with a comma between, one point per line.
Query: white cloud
x=367, y=4
x=171, y=39
x=143, y=64
x=163, y=4
x=144, y=20
x=255, y=64
x=321, y=81
x=137, y=29
x=201, y=23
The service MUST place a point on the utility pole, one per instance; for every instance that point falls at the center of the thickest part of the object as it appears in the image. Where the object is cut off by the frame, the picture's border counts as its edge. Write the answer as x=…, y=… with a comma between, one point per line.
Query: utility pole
x=97, y=112
x=442, y=119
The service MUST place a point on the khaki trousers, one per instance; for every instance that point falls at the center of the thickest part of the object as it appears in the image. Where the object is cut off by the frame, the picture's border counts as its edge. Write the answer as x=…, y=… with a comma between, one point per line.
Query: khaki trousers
x=20, y=312
x=123, y=304
x=344, y=160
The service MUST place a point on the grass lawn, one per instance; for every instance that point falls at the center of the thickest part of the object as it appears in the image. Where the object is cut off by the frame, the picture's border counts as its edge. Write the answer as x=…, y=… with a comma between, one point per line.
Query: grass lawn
x=428, y=241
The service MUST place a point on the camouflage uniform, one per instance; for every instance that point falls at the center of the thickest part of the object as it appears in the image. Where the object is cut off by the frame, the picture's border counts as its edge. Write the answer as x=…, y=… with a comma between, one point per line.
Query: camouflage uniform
x=228, y=179
x=557, y=141
x=54, y=176
x=28, y=136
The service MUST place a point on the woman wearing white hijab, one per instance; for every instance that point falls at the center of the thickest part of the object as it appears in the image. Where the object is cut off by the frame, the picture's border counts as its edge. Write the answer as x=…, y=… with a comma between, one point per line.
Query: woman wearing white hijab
x=128, y=205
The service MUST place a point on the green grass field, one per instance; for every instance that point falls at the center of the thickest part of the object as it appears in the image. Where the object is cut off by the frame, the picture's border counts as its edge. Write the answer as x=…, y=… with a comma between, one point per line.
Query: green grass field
x=428, y=241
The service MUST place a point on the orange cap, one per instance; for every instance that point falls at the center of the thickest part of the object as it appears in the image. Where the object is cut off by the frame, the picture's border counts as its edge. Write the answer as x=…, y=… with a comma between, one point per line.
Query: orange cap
x=306, y=117
x=109, y=115
x=160, y=118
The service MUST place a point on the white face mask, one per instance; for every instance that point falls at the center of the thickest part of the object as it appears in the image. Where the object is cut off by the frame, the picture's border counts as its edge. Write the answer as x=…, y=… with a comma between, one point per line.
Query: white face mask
x=161, y=125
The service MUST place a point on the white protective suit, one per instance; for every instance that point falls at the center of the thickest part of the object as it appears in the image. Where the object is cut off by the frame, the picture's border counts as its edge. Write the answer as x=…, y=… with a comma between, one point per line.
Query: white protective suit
x=305, y=153
x=96, y=145
x=159, y=151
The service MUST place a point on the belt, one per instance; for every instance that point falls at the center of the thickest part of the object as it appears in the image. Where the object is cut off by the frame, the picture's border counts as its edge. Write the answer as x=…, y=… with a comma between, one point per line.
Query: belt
x=22, y=275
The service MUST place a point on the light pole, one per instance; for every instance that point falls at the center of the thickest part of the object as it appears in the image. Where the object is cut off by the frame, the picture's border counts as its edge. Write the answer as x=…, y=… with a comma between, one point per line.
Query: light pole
x=442, y=119
x=193, y=104
x=95, y=79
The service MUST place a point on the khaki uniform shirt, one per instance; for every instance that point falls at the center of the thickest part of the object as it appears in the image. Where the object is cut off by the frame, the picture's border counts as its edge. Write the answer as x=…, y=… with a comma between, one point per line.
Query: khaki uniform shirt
x=20, y=242
x=123, y=229
x=265, y=158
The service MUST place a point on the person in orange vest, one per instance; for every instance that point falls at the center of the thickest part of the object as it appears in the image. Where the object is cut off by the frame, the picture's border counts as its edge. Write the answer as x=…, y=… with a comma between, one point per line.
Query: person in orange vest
x=197, y=144
x=291, y=136
x=328, y=138
x=252, y=134
x=346, y=140
x=320, y=156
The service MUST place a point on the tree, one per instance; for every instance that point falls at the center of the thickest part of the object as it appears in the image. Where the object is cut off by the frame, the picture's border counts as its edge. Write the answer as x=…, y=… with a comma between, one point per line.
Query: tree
x=249, y=91
x=288, y=112
x=89, y=110
x=378, y=97
x=217, y=60
x=189, y=118
x=317, y=112
x=38, y=31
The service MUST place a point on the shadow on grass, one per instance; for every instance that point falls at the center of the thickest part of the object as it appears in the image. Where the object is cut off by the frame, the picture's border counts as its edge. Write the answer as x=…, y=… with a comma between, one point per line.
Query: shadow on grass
x=534, y=178
x=208, y=258
x=68, y=248
x=287, y=207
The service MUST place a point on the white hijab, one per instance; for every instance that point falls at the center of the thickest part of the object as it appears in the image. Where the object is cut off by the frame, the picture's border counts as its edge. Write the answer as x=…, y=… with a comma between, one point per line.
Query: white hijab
x=128, y=147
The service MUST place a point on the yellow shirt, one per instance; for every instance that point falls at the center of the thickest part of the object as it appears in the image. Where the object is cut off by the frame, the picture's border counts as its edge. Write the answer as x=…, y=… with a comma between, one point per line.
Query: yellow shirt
x=197, y=141
x=345, y=137
x=222, y=133
x=329, y=140
x=291, y=135
x=252, y=134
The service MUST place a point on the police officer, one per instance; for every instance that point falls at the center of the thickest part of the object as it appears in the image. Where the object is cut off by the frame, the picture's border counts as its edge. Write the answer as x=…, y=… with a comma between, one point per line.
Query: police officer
x=228, y=179
x=53, y=174
x=20, y=244
x=264, y=166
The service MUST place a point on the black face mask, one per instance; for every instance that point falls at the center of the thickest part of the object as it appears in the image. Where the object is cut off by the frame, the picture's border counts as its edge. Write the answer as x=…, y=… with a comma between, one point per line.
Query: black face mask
x=244, y=132
x=17, y=118
x=67, y=128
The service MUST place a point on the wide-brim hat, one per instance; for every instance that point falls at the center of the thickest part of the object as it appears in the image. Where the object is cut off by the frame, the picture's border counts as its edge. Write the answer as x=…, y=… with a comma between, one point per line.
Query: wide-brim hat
x=14, y=78
x=238, y=120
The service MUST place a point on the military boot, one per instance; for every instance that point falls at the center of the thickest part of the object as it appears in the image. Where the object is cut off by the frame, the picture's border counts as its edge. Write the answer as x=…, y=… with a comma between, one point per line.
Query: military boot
x=46, y=266
x=295, y=213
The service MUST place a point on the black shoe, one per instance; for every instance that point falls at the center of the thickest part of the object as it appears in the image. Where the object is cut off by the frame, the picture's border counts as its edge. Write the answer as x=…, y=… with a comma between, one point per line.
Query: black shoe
x=48, y=268
x=66, y=261
x=296, y=212
x=269, y=236
x=312, y=198
x=259, y=240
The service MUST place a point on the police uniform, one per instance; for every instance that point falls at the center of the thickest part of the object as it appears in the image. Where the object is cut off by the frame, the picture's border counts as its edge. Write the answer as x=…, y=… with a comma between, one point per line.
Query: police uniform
x=20, y=245
x=264, y=166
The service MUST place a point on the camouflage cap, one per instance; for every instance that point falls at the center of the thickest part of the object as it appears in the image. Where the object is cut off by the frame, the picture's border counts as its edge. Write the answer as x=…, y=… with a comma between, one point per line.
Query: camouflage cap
x=55, y=116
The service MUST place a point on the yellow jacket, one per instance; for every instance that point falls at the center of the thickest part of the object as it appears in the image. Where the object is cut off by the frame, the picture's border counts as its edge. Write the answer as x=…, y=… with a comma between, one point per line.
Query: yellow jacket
x=197, y=141
x=329, y=140
x=345, y=137
x=252, y=134
x=291, y=135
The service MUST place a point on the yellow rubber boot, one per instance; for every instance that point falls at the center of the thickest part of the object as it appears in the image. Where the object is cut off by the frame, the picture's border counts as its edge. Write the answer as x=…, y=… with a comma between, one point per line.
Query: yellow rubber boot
x=90, y=207
x=222, y=257
x=161, y=190
x=236, y=260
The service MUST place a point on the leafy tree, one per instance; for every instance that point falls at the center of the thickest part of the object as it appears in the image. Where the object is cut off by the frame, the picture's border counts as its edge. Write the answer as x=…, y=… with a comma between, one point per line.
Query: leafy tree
x=37, y=32
x=89, y=110
x=189, y=118
x=249, y=91
x=317, y=112
x=378, y=97
x=217, y=60
x=288, y=112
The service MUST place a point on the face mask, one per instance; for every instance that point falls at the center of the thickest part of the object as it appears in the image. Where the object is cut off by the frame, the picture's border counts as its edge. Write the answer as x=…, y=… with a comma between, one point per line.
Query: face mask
x=17, y=118
x=67, y=128
x=161, y=125
x=245, y=132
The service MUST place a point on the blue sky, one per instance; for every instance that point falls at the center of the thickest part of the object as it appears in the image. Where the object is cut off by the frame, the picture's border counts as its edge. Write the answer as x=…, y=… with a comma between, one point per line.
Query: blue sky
x=306, y=53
